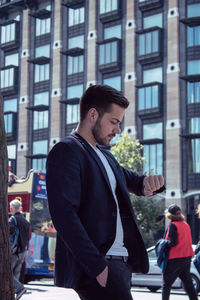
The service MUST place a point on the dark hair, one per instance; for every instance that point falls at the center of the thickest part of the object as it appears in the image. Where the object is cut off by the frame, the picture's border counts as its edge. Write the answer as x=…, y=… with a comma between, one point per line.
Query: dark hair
x=100, y=97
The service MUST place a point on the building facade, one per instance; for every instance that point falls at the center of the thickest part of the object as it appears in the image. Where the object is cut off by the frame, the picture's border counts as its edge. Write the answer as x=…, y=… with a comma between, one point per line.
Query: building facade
x=51, y=51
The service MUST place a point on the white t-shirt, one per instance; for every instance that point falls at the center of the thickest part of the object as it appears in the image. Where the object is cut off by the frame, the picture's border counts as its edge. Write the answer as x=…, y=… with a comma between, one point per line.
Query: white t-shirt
x=117, y=247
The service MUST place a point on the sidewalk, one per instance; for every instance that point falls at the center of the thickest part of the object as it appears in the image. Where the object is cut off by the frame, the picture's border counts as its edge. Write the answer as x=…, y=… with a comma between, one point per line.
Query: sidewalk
x=37, y=291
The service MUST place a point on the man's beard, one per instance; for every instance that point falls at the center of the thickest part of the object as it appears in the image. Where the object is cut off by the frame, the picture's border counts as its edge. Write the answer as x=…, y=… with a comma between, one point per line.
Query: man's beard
x=96, y=131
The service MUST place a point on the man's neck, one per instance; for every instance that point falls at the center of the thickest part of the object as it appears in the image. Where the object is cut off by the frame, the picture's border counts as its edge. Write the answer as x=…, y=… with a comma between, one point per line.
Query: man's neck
x=86, y=134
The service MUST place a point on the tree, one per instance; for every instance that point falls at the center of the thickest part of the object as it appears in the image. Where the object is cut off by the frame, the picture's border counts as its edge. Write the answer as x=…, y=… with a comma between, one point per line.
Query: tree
x=147, y=210
x=6, y=276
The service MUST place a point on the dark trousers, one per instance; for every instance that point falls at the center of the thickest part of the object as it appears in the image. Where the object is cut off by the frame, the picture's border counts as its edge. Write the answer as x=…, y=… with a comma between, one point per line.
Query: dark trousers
x=179, y=267
x=117, y=287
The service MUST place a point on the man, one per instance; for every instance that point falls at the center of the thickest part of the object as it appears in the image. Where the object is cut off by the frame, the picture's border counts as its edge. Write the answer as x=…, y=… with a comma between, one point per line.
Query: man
x=98, y=240
x=18, y=257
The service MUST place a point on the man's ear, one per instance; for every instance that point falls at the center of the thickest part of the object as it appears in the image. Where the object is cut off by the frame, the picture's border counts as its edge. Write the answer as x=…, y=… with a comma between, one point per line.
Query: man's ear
x=92, y=115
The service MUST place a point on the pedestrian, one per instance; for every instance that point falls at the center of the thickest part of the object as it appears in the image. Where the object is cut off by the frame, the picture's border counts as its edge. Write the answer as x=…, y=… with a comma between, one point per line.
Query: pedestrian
x=18, y=222
x=180, y=253
x=98, y=244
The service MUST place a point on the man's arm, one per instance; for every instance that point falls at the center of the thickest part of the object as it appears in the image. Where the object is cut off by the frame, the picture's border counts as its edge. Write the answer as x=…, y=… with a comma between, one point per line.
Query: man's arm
x=64, y=195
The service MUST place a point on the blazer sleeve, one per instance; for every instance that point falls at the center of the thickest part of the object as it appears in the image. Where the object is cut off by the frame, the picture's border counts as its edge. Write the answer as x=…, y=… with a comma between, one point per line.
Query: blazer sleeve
x=64, y=182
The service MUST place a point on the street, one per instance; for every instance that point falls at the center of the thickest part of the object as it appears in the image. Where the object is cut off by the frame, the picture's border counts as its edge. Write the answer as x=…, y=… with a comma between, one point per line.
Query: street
x=44, y=289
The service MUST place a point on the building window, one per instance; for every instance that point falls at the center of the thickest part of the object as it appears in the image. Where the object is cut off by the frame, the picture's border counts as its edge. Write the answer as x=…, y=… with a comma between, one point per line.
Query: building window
x=75, y=64
x=148, y=42
x=148, y=97
x=152, y=75
x=193, y=10
x=152, y=131
x=114, y=82
x=12, y=158
x=76, y=42
x=12, y=59
x=193, y=36
x=39, y=147
x=194, y=126
x=113, y=31
x=154, y=20
x=41, y=98
x=7, y=78
x=40, y=119
x=193, y=92
x=153, y=159
x=10, y=108
x=41, y=72
x=42, y=51
x=193, y=67
x=108, y=53
x=43, y=26
x=10, y=105
x=73, y=113
x=76, y=16
x=74, y=91
x=108, y=5
x=153, y=152
x=8, y=33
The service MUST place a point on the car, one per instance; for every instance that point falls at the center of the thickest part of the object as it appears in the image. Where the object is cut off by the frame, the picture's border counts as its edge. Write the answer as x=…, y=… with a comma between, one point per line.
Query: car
x=153, y=279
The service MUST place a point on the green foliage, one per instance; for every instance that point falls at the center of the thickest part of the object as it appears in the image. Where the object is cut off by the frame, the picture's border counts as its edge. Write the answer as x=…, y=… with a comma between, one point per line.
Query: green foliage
x=128, y=154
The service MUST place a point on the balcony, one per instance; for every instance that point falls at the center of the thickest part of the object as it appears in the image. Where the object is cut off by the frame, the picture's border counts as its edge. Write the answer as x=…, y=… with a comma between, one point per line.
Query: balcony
x=150, y=45
x=149, y=100
x=7, y=5
x=73, y=3
x=109, y=55
x=9, y=35
x=9, y=80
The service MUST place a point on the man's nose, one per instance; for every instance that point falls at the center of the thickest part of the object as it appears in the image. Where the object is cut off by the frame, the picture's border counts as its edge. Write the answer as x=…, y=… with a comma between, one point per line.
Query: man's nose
x=117, y=130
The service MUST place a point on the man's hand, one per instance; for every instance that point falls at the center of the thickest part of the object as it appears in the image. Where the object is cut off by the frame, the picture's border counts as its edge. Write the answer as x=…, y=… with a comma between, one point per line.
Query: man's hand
x=102, y=277
x=152, y=183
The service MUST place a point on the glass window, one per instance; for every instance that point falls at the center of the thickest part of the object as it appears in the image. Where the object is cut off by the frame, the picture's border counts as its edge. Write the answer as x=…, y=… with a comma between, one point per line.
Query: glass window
x=148, y=97
x=10, y=105
x=41, y=98
x=77, y=41
x=148, y=42
x=154, y=20
x=193, y=36
x=113, y=31
x=194, y=157
x=8, y=33
x=41, y=72
x=75, y=64
x=42, y=51
x=193, y=67
x=12, y=59
x=74, y=91
x=153, y=159
x=40, y=119
x=114, y=82
x=152, y=75
x=8, y=120
x=73, y=113
x=194, y=125
x=40, y=147
x=43, y=26
x=11, y=151
x=76, y=16
x=107, y=6
x=193, y=10
x=7, y=78
x=193, y=92
x=152, y=131
x=108, y=53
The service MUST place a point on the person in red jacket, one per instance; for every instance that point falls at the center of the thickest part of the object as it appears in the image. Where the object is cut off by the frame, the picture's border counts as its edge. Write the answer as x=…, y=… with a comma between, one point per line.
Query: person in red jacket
x=180, y=253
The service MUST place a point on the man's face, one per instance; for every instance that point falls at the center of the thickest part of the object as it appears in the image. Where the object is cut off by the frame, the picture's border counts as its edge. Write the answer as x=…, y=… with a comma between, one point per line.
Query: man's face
x=107, y=126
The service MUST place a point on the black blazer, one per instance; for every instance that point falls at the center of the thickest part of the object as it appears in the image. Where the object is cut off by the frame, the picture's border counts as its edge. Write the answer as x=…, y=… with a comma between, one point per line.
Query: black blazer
x=84, y=211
